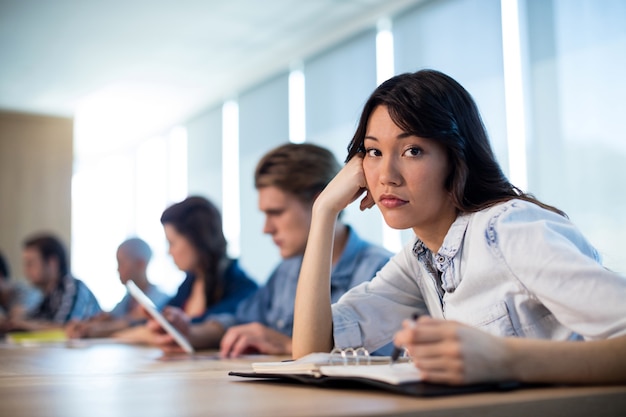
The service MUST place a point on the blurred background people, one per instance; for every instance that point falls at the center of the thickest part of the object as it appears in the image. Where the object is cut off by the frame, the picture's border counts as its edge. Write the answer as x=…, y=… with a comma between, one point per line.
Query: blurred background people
x=17, y=298
x=133, y=257
x=288, y=179
x=65, y=298
x=214, y=284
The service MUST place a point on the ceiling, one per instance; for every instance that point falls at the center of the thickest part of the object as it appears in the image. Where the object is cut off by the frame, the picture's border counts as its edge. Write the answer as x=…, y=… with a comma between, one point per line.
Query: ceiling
x=181, y=56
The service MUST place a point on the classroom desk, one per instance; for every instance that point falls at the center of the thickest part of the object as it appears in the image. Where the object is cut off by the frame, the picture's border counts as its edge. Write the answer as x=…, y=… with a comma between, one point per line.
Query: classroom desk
x=107, y=379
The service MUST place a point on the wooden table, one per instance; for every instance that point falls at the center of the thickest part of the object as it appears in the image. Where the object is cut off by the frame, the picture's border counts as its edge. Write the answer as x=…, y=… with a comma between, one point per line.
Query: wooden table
x=106, y=379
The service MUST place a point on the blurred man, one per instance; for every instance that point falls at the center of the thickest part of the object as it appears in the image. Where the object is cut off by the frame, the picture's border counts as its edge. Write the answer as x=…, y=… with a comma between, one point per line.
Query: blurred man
x=133, y=256
x=65, y=298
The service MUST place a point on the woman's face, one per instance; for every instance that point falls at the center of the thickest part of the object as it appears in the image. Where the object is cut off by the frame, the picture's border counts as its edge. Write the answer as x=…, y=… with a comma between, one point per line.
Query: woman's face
x=406, y=176
x=287, y=220
x=183, y=252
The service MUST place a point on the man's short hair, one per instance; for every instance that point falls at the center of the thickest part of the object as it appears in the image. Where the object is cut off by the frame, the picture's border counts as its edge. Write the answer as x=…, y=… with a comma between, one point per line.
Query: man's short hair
x=302, y=169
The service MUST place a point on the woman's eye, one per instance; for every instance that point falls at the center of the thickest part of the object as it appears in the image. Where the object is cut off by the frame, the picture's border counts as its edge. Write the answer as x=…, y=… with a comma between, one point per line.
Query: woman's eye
x=413, y=151
x=372, y=152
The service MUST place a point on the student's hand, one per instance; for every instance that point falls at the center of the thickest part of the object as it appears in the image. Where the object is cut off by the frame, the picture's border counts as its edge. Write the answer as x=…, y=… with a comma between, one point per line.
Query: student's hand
x=346, y=187
x=453, y=353
x=76, y=329
x=93, y=327
x=164, y=340
x=254, y=337
x=101, y=317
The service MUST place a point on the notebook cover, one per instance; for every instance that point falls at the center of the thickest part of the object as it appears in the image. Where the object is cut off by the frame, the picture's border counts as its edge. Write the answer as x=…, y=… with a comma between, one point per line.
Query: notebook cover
x=416, y=389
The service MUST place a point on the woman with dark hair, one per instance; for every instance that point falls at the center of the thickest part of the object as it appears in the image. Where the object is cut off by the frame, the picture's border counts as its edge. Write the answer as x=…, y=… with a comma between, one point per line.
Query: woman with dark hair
x=215, y=284
x=505, y=286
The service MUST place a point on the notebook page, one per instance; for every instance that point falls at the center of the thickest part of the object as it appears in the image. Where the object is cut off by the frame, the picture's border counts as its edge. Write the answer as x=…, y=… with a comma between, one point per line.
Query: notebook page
x=305, y=364
x=396, y=374
x=310, y=363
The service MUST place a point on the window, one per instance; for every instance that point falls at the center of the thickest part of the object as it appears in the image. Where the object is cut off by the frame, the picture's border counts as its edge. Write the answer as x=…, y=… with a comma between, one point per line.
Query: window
x=122, y=193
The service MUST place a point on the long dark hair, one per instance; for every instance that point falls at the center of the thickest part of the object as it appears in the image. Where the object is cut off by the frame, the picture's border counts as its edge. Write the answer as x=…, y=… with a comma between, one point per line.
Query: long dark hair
x=432, y=105
x=200, y=222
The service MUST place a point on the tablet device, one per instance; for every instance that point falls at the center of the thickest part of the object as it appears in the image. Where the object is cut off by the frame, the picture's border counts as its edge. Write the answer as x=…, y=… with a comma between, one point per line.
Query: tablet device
x=147, y=303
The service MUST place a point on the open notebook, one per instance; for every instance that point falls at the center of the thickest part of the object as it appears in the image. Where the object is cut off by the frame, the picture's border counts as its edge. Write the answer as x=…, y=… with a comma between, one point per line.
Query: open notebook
x=355, y=371
x=325, y=364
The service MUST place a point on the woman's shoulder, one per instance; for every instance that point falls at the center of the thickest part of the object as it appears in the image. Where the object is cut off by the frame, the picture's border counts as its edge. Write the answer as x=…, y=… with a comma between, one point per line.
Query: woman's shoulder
x=518, y=221
x=516, y=210
x=513, y=217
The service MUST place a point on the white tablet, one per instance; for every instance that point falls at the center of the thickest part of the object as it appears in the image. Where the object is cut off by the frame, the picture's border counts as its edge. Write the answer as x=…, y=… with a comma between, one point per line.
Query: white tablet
x=147, y=303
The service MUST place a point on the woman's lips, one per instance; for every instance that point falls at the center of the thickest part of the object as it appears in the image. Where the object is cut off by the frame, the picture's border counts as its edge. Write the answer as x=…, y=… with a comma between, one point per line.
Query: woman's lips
x=392, y=201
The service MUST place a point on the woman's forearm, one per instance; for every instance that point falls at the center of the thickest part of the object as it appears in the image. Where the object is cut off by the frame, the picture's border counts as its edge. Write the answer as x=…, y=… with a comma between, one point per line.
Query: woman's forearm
x=592, y=362
x=449, y=352
x=206, y=335
x=312, y=329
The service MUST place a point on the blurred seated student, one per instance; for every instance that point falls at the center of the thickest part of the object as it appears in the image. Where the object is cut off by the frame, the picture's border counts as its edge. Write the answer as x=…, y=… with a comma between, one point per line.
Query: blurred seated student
x=65, y=298
x=505, y=286
x=214, y=284
x=133, y=256
x=17, y=298
x=288, y=180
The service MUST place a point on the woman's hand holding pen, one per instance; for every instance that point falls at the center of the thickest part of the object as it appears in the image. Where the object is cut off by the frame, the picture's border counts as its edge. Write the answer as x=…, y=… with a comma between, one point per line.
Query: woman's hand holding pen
x=453, y=353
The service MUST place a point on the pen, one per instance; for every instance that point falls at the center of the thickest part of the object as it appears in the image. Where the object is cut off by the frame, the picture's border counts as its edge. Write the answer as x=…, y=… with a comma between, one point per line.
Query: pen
x=397, y=351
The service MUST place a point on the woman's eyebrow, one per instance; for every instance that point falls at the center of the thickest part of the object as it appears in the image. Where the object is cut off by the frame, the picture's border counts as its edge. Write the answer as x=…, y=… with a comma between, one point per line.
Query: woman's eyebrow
x=402, y=135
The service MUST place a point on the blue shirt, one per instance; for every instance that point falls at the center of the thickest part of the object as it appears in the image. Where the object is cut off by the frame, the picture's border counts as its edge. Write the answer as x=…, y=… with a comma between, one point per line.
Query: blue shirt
x=514, y=269
x=70, y=300
x=18, y=294
x=237, y=286
x=273, y=304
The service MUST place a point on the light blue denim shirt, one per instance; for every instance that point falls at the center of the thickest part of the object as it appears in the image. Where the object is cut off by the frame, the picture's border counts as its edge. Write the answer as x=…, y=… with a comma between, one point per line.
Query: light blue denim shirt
x=514, y=269
x=273, y=304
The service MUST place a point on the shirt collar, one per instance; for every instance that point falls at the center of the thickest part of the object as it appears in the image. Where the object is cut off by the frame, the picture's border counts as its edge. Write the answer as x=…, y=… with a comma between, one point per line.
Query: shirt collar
x=448, y=250
x=454, y=237
x=452, y=240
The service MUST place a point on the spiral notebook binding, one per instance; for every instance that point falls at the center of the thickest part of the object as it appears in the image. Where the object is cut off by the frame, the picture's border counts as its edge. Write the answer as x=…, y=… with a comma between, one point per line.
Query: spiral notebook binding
x=349, y=356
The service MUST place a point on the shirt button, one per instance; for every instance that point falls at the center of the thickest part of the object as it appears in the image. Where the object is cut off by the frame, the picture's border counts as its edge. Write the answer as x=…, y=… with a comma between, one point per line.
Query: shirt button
x=280, y=323
x=441, y=259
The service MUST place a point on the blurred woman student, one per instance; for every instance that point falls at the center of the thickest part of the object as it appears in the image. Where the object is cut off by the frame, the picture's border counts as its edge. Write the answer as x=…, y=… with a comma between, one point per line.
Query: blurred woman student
x=214, y=283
